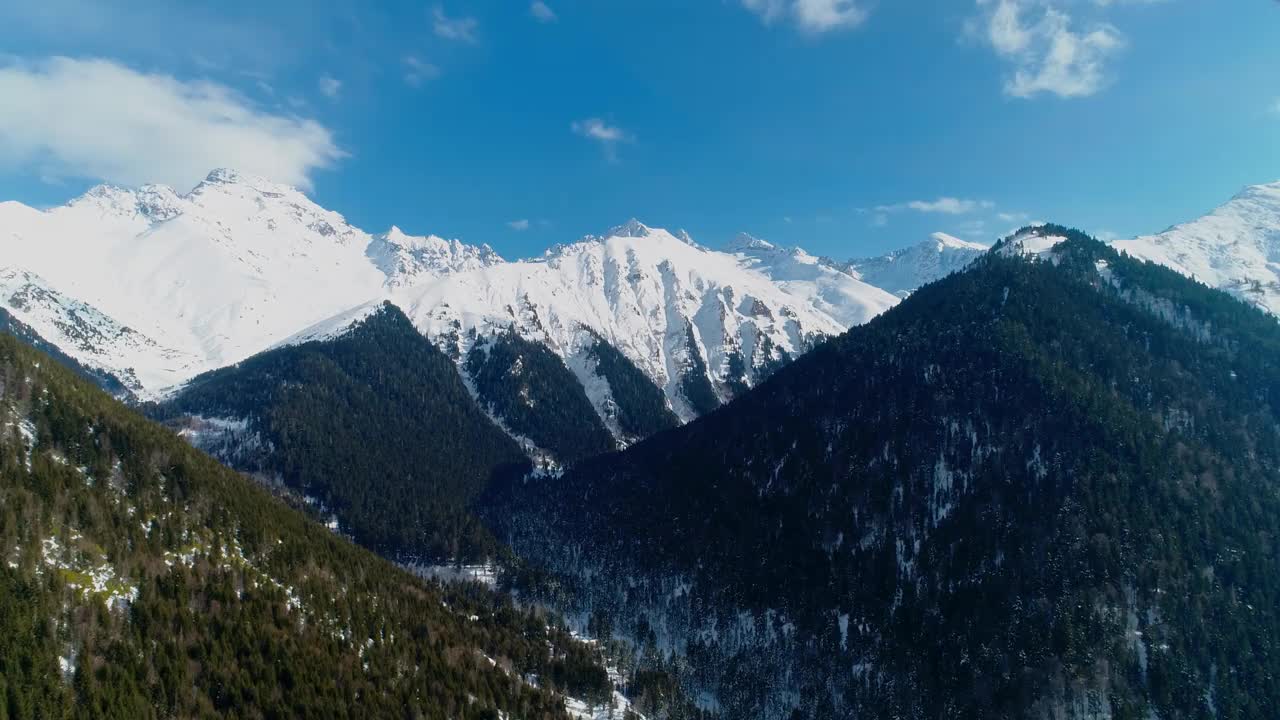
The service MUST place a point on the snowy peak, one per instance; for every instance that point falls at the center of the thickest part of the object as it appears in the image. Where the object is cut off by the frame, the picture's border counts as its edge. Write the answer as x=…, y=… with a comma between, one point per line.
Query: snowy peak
x=700, y=324
x=818, y=281
x=632, y=228
x=903, y=271
x=408, y=259
x=631, y=233
x=1268, y=195
x=947, y=242
x=166, y=285
x=207, y=278
x=224, y=177
x=747, y=244
x=1235, y=248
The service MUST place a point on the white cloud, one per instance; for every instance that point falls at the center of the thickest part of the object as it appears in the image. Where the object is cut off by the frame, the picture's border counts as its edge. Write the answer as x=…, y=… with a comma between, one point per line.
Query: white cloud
x=815, y=16
x=943, y=205
x=101, y=120
x=462, y=29
x=417, y=71
x=608, y=136
x=330, y=87
x=597, y=129
x=542, y=12
x=824, y=15
x=1275, y=107
x=519, y=225
x=1049, y=51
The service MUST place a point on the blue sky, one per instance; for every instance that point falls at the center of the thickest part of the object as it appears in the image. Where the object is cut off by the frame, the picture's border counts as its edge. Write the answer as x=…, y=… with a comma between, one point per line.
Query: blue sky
x=848, y=127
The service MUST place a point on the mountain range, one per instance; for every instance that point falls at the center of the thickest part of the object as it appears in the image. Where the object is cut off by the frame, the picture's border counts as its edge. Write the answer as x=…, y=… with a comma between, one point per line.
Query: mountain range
x=167, y=286
x=239, y=265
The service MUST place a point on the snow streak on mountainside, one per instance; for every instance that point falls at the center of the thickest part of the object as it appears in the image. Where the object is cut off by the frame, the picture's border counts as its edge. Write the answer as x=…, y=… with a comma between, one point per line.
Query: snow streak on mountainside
x=1235, y=248
x=156, y=287
x=903, y=271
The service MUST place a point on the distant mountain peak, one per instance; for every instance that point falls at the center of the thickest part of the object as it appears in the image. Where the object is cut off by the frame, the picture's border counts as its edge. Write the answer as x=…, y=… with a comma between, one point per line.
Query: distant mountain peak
x=1263, y=191
x=901, y=272
x=1233, y=248
x=951, y=241
x=632, y=228
x=745, y=241
x=406, y=259
x=223, y=175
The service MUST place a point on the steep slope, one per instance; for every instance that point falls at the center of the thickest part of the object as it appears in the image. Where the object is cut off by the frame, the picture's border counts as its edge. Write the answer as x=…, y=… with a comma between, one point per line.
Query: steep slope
x=530, y=392
x=84, y=332
x=373, y=425
x=28, y=335
x=140, y=579
x=1042, y=487
x=632, y=406
x=903, y=271
x=1235, y=248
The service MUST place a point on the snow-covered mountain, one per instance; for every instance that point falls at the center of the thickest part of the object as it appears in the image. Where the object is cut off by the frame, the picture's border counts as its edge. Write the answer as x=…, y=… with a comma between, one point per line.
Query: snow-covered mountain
x=840, y=294
x=903, y=271
x=670, y=305
x=206, y=278
x=1235, y=248
x=156, y=287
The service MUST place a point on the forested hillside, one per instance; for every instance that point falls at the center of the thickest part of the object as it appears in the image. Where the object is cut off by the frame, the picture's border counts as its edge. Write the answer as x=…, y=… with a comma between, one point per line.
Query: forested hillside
x=374, y=425
x=640, y=408
x=140, y=579
x=533, y=394
x=1042, y=487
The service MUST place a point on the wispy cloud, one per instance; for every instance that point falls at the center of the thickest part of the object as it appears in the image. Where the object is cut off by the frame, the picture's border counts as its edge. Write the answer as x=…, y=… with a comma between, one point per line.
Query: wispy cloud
x=519, y=225
x=1048, y=50
x=943, y=205
x=98, y=119
x=1275, y=107
x=606, y=135
x=542, y=12
x=461, y=29
x=330, y=87
x=814, y=16
x=418, y=71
